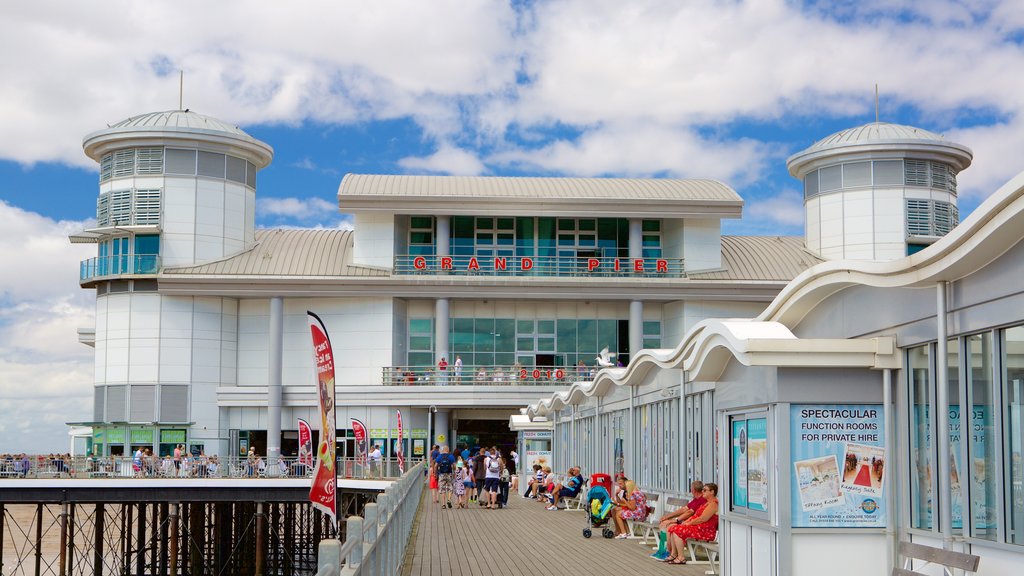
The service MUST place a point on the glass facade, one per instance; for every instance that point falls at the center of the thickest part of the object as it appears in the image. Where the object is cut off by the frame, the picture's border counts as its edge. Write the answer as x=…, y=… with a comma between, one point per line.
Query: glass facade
x=986, y=383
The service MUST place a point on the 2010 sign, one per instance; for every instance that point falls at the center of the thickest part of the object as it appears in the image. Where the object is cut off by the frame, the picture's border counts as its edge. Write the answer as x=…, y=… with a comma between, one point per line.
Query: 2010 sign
x=537, y=374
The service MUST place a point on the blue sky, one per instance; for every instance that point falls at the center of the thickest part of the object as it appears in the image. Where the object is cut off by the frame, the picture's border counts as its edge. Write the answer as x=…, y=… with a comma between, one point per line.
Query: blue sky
x=651, y=88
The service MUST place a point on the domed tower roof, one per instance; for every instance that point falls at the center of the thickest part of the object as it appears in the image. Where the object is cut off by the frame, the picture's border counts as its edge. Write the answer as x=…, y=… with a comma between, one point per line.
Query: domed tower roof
x=879, y=140
x=177, y=127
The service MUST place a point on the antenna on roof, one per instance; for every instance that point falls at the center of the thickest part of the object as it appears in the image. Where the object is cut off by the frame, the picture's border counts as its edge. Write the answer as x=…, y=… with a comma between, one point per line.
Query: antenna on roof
x=181, y=88
x=876, y=102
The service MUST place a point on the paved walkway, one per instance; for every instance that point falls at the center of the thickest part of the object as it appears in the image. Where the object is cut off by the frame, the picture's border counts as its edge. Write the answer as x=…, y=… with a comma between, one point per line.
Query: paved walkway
x=521, y=539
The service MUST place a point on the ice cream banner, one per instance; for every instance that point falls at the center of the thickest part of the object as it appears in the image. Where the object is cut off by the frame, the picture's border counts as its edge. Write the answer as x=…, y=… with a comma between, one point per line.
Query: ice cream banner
x=359, y=430
x=305, y=443
x=323, y=491
x=398, y=448
x=838, y=464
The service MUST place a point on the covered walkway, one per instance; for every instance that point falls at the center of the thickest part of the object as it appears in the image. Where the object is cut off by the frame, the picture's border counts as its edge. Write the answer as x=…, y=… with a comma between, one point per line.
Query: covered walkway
x=521, y=539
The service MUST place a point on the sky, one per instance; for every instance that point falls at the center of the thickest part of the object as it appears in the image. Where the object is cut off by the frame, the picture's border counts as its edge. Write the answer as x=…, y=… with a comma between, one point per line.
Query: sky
x=648, y=88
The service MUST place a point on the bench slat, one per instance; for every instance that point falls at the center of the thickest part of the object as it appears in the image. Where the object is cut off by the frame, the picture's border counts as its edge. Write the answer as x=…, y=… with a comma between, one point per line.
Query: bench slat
x=949, y=558
x=902, y=572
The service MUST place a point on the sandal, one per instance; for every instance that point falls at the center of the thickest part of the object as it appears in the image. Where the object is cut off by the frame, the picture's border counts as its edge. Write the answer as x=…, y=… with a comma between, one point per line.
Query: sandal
x=678, y=562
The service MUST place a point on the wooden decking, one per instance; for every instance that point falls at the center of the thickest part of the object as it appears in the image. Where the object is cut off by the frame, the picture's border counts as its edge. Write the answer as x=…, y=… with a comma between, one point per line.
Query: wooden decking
x=521, y=539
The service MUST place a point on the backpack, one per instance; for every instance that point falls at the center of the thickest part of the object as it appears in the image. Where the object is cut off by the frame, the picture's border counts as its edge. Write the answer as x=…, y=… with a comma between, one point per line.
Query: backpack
x=505, y=476
x=494, y=465
x=444, y=464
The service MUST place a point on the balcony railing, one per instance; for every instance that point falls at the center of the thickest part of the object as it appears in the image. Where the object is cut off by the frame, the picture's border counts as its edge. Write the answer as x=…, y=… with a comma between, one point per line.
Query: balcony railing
x=485, y=376
x=119, y=266
x=572, y=266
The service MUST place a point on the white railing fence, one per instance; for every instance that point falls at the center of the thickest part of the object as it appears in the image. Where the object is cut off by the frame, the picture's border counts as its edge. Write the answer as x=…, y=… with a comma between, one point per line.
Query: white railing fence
x=375, y=544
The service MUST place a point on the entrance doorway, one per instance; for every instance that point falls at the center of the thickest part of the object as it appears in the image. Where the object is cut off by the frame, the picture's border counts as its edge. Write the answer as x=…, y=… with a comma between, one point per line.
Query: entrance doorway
x=484, y=434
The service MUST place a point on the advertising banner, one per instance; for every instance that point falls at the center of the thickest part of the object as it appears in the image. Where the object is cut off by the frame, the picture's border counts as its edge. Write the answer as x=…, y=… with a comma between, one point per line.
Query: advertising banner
x=757, y=464
x=323, y=491
x=838, y=464
x=305, y=444
x=975, y=432
x=359, y=431
x=540, y=457
x=398, y=449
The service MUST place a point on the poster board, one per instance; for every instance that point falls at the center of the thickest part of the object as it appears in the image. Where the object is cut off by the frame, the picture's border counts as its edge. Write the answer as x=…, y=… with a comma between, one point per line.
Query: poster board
x=839, y=463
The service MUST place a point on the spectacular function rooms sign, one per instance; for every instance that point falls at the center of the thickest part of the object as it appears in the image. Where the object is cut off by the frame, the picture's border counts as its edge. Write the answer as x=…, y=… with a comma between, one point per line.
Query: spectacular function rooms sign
x=838, y=463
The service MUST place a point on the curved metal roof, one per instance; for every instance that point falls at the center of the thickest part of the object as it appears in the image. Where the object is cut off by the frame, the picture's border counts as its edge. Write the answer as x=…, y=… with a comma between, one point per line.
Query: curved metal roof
x=289, y=252
x=179, y=119
x=477, y=187
x=877, y=132
x=779, y=258
x=156, y=127
x=878, y=138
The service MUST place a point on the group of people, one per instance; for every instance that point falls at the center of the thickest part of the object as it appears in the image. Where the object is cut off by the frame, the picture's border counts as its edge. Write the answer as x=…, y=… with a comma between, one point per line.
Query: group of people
x=19, y=465
x=179, y=463
x=485, y=477
x=697, y=520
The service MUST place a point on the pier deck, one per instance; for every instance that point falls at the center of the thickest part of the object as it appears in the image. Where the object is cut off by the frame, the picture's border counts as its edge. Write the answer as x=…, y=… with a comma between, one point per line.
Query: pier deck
x=521, y=539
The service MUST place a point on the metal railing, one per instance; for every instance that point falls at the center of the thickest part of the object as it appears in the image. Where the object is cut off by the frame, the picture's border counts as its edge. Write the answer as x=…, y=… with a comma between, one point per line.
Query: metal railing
x=485, y=376
x=375, y=544
x=56, y=467
x=102, y=266
x=574, y=266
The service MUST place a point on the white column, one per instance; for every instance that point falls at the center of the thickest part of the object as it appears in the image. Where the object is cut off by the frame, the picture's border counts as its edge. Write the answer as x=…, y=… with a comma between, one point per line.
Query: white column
x=441, y=331
x=636, y=238
x=944, y=497
x=274, y=383
x=443, y=235
x=636, y=328
x=441, y=437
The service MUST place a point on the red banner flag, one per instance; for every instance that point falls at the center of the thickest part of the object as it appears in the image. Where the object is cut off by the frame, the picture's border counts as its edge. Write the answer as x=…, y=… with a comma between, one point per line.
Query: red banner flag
x=359, y=430
x=305, y=444
x=398, y=449
x=323, y=491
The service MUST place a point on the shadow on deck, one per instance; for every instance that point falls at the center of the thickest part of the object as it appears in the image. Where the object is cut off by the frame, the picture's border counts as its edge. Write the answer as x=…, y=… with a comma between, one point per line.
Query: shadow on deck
x=521, y=539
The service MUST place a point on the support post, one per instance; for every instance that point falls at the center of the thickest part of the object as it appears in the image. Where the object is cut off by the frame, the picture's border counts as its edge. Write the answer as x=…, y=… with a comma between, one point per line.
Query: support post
x=636, y=328
x=942, y=419
x=891, y=535
x=97, y=559
x=370, y=536
x=441, y=311
x=172, y=545
x=274, y=386
x=354, y=531
x=260, y=543
x=39, y=538
x=63, y=539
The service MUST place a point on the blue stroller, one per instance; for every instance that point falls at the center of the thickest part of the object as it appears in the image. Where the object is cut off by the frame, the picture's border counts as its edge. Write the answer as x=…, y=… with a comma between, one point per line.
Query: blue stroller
x=599, y=507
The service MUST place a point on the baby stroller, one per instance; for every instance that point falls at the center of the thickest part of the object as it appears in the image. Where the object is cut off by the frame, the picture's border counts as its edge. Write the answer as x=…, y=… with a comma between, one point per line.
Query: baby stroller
x=599, y=507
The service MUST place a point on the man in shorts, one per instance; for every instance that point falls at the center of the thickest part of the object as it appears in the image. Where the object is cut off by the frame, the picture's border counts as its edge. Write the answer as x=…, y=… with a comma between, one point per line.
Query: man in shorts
x=570, y=489
x=445, y=476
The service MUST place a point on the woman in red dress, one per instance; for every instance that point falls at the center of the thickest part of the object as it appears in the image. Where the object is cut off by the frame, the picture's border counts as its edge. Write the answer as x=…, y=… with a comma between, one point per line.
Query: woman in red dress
x=703, y=525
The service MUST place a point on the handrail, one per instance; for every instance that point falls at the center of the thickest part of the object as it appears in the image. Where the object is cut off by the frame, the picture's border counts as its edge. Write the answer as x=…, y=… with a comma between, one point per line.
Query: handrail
x=121, y=265
x=13, y=467
x=486, y=375
x=572, y=266
x=375, y=543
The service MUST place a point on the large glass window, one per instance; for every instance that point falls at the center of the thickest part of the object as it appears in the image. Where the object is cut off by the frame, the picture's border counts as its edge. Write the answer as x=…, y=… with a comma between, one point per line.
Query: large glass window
x=921, y=447
x=959, y=427
x=421, y=342
x=1013, y=431
x=980, y=437
x=421, y=236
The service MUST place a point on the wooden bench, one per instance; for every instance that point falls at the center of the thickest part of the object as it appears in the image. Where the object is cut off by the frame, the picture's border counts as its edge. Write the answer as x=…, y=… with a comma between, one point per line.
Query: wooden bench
x=577, y=502
x=648, y=527
x=948, y=559
x=710, y=550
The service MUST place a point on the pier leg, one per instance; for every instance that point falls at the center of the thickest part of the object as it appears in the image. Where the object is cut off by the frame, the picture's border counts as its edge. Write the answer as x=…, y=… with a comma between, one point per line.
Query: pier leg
x=98, y=546
x=163, y=553
x=126, y=538
x=172, y=548
x=71, y=539
x=154, y=535
x=64, y=539
x=260, y=541
x=39, y=539
x=140, y=541
x=3, y=517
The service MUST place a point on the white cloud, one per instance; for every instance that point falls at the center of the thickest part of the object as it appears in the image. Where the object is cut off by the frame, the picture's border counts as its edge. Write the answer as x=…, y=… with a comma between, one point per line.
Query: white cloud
x=304, y=164
x=302, y=209
x=643, y=150
x=447, y=160
x=785, y=209
x=45, y=373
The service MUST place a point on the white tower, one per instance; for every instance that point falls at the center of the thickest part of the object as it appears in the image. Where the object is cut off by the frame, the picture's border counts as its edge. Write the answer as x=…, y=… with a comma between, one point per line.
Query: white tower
x=176, y=188
x=878, y=191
